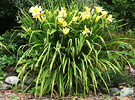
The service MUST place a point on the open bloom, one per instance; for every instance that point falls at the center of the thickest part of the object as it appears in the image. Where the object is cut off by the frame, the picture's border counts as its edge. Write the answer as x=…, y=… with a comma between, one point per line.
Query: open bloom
x=87, y=9
x=98, y=9
x=62, y=13
x=104, y=13
x=35, y=10
x=64, y=24
x=85, y=15
x=86, y=30
x=132, y=70
x=66, y=30
x=109, y=18
x=60, y=20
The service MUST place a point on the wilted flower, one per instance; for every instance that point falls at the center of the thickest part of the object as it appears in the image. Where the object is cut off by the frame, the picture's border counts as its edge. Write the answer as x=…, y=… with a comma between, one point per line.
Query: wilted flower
x=132, y=70
x=36, y=16
x=42, y=13
x=56, y=10
x=35, y=10
x=109, y=18
x=86, y=30
x=66, y=30
x=98, y=9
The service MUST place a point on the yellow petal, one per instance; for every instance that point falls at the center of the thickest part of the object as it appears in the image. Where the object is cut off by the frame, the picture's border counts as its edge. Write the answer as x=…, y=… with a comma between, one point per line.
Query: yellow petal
x=97, y=18
x=109, y=18
x=66, y=30
x=64, y=23
x=60, y=20
x=98, y=9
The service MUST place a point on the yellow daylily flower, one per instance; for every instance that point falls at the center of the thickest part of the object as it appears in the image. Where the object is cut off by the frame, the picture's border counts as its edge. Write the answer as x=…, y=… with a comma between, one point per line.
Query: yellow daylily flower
x=35, y=10
x=64, y=24
x=104, y=13
x=63, y=8
x=86, y=30
x=65, y=30
x=85, y=15
x=98, y=9
x=109, y=18
x=87, y=9
x=97, y=18
x=62, y=13
x=60, y=20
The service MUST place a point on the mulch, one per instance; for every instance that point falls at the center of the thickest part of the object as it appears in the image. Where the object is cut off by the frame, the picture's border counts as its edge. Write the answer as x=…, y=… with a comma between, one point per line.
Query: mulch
x=13, y=95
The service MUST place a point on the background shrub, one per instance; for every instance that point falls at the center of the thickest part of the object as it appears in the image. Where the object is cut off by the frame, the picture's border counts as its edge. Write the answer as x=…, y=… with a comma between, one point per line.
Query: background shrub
x=8, y=14
x=121, y=9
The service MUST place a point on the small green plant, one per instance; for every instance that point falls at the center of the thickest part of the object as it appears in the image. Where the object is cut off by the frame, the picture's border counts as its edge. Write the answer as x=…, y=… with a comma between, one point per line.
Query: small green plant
x=2, y=75
x=13, y=97
x=105, y=97
x=119, y=97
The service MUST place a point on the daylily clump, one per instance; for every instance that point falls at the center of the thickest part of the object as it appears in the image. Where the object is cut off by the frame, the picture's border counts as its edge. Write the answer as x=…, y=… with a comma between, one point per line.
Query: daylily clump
x=66, y=48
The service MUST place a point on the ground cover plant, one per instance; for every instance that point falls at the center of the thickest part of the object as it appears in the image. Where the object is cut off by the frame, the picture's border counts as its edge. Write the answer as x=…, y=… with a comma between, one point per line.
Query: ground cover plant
x=68, y=49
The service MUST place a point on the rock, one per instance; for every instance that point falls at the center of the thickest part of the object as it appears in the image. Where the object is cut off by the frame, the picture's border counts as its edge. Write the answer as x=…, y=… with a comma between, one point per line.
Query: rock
x=20, y=87
x=28, y=80
x=46, y=99
x=12, y=80
x=114, y=91
x=126, y=92
x=4, y=86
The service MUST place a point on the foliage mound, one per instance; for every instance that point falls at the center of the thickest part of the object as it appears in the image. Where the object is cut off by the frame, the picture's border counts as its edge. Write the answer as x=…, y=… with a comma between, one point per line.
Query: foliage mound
x=67, y=49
